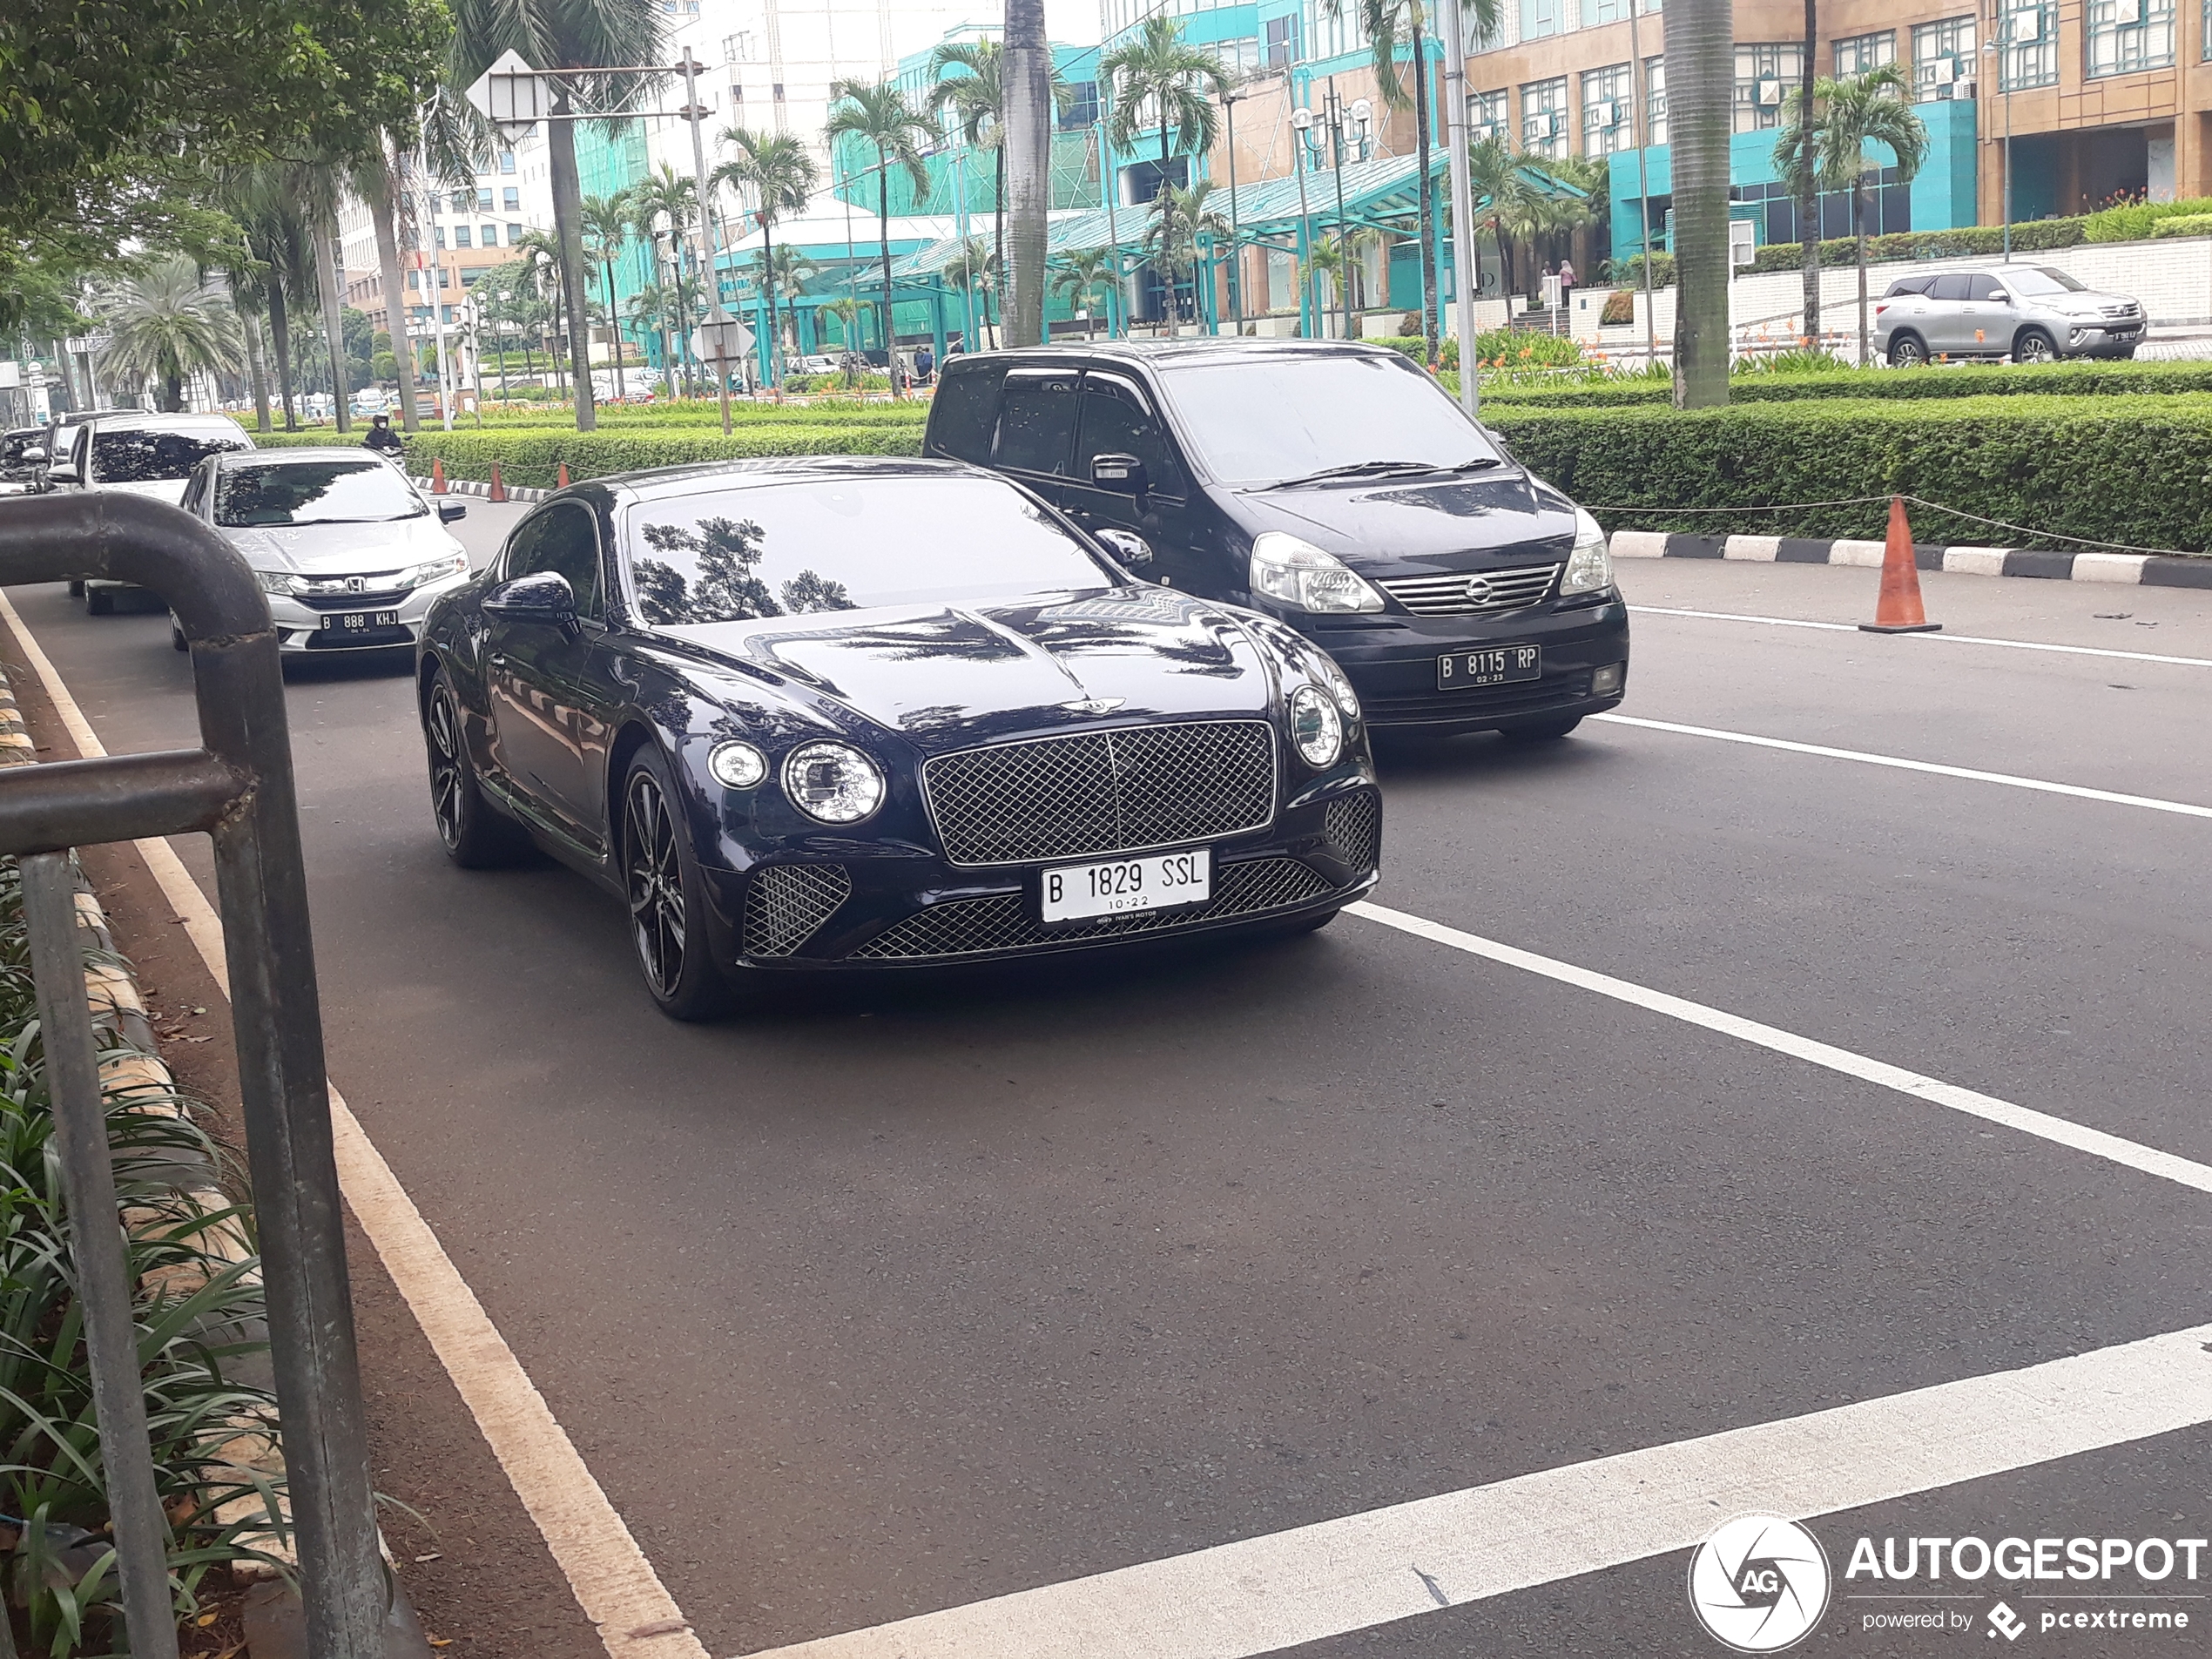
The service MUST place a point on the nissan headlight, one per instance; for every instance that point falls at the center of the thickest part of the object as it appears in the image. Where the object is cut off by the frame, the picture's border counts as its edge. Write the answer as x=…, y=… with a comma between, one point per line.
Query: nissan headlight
x=832, y=782
x=433, y=571
x=1315, y=726
x=1298, y=574
x=736, y=765
x=1589, y=567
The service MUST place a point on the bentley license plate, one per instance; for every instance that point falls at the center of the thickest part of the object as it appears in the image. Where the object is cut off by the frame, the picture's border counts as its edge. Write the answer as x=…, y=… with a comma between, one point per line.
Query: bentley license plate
x=1499, y=665
x=1124, y=886
x=356, y=621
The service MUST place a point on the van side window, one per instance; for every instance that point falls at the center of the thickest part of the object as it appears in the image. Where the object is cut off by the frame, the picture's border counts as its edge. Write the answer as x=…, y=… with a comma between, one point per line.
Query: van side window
x=1118, y=420
x=1036, y=420
x=962, y=414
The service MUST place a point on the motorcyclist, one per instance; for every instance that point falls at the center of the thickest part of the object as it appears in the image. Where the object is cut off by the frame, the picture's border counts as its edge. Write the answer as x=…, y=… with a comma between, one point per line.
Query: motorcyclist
x=381, y=436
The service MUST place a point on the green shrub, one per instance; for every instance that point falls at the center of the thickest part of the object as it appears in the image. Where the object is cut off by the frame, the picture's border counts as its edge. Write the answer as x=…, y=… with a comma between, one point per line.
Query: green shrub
x=2133, y=470
x=2183, y=225
x=530, y=457
x=2035, y=380
x=1629, y=273
x=2135, y=222
x=1967, y=241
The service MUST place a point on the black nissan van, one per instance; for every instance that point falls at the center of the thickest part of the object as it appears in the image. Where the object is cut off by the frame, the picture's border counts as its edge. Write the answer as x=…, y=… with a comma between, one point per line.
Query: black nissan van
x=1332, y=484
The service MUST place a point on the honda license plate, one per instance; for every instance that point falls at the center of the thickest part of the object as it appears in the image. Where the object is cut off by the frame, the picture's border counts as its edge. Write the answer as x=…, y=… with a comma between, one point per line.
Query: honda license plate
x=1498, y=665
x=359, y=622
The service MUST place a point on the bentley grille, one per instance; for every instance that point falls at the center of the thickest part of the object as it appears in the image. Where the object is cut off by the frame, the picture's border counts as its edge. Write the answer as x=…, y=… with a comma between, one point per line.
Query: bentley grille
x=1473, y=593
x=787, y=902
x=1102, y=791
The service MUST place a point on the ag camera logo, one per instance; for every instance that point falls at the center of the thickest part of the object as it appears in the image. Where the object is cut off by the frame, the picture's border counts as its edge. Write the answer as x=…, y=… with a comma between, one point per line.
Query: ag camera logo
x=1759, y=1583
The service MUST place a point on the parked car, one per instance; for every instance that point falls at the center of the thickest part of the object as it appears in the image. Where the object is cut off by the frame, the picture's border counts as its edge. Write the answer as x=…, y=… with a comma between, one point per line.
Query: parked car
x=23, y=459
x=60, y=429
x=1332, y=485
x=144, y=454
x=2033, y=313
x=349, y=552
x=846, y=713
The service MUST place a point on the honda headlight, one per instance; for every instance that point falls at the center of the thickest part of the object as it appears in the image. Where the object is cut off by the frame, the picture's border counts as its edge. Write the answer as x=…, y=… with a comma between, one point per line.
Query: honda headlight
x=833, y=782
x=433, y=571
x=1589, y=567
x=276, y=581
x=1315, y=726
x=1300, y=575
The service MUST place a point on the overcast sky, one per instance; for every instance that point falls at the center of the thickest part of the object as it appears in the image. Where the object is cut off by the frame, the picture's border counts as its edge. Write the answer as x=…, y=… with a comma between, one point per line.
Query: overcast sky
x=1074, y=21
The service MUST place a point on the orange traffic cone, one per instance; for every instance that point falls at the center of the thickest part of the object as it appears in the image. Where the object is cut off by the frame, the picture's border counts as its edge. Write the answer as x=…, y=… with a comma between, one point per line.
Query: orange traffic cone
x=1897, y=610
x=498, y=491
x=561, y=476
x=437, y=476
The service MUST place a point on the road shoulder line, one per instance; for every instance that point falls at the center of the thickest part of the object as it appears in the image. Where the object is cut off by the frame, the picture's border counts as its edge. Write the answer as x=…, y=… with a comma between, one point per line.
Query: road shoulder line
x=613, y=1581
x=1936, y=639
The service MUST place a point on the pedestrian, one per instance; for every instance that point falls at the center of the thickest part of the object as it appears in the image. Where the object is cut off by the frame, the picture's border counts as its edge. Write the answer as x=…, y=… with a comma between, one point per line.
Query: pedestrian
x=381, y=436
x=925, y=364
x=1566, y=282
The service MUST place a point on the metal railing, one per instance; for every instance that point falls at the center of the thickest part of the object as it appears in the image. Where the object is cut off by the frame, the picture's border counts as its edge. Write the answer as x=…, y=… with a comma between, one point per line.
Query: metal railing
x=236, y=788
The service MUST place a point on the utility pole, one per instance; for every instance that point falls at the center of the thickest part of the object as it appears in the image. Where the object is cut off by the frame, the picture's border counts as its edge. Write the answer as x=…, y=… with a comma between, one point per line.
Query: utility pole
x=423, y=228
x=1230, y=100
x=1308, y=311
x=1640, y=129
x=1456, y=134
x=718, y=319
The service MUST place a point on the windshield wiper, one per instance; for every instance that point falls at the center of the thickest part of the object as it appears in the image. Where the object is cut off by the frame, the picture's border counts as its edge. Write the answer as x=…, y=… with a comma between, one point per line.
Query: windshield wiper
x=1383, y=470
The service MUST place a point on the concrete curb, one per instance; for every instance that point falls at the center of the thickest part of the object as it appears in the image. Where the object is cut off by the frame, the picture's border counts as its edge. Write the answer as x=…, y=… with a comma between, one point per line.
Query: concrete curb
x=471, y=487
x=2128, y=570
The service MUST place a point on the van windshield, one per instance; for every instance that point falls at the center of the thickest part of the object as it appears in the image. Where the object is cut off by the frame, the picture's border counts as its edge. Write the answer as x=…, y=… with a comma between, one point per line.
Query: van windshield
x=1258, y=420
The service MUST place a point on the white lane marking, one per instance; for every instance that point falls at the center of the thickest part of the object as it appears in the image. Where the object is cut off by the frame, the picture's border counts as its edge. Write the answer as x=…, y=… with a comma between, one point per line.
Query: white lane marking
x=613, y=1583
x=1261, y=1595
x=2151, y=802
x=1939, y=639
x=2147, y=1159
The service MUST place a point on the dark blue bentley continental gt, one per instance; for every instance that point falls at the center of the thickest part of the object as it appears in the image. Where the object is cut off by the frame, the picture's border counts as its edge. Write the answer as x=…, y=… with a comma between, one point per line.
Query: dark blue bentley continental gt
x=863, y=713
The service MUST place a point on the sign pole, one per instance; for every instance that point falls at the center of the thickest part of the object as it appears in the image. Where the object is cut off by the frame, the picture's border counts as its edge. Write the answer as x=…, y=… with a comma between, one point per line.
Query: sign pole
x=1463, y=233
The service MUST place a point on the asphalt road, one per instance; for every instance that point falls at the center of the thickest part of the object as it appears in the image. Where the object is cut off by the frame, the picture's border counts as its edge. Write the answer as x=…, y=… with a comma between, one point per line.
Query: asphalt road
x=890, y=1298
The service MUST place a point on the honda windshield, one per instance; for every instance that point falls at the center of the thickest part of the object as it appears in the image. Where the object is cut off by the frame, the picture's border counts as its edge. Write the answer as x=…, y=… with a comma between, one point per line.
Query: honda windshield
x=313, y=492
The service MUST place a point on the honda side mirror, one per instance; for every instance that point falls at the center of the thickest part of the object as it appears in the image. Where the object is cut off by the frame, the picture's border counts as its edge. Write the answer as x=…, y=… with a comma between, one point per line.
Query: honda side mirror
x=542, y=597
x=1122, y=473
x=450, y=510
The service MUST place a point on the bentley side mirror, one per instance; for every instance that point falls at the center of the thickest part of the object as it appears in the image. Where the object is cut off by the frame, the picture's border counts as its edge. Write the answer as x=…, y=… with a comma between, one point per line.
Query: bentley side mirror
x=542, y=597
x=1122, y=473
x=450, y=510
x=1129, y=549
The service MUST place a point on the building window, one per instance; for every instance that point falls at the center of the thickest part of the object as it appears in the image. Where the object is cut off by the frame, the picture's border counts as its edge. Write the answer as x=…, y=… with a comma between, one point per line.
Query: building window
x=1238, y=58
x=776, y=92
x=507, y=161
x=490, y=236
x=439, y=231
x=1888, y=208
x=2031, y=44
x=738, y=48
x=1082, y=104
x=483, y=200
x=1283, y=41
x=1654, y=100
x=2125, y=36
x=1598, y=11
x=1942, y=57
x=461, y=236
x=1862, y=52
x=511, y=199
x=1763, y=77
x=1609, y=111
x=463, y=200
x=1539, y=18
x=514, y=236
x=1544, y=117
x=1490, y=117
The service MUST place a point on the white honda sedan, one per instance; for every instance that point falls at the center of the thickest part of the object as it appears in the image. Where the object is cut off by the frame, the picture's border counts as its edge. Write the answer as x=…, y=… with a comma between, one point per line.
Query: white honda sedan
x=349, y=552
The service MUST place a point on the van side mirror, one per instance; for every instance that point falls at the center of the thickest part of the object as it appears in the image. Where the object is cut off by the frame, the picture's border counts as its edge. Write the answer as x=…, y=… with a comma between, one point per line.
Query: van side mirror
x=33, y=455
x=1122, y=473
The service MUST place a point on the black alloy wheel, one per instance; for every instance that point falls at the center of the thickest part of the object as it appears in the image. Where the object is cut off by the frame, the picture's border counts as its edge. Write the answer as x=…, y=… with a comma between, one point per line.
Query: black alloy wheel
x=2034, y=346
x=1907, y=351
x=667, y=908
x=476, y=837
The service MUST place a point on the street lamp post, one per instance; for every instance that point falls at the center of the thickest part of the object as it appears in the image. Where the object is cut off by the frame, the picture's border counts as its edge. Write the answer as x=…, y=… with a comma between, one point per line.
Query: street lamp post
x=1230, y=100
x=1301, y=123
x=1640, y=131
x=1335, y=117
x=1455, y=128
x=717, y=319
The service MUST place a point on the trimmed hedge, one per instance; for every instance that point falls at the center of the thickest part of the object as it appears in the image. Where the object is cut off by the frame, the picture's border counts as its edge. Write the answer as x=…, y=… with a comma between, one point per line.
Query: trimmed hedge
x=2137, y=221
x=1968, y=241
x=2053, y=380
x=2133, y=470
x=530, y=457
x=2183, y=225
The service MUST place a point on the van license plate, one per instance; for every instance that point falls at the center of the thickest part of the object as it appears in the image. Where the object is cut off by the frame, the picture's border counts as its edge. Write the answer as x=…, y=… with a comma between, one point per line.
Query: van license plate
x=1499, y=666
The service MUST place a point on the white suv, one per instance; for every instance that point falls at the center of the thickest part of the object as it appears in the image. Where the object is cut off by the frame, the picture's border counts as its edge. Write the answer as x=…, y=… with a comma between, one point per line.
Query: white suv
x=2032, y=314
x=142, y=455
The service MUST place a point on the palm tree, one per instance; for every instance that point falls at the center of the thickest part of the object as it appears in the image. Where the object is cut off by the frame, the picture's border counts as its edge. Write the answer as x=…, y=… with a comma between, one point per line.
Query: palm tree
x=1852, y=113
x=668, y=195
x=605, y=223
x=375, y=176
x=165, y=324
x=976, y=99
x=542, y=251
x=785, y=270
x=1503, y=187
x=1028, y=173
x=779, y=170
x=1701, y=87
x=1156, y=70
x=974, y=269
x=578, y=34
x=266, y=201
x=1325, y=260
x=1171, y=241
x=1382, y=22
x=847, y=310
x=654, y=309
x=878, y=114
x=1083, y=273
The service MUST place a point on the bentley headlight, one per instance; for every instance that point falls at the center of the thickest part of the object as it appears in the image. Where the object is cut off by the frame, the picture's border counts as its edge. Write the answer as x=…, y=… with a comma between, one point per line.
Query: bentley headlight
x=1315, y=727
x=1589, y=567
x=1300, y=575
x=833, y=782
x=1347, y=699
x=737, y=766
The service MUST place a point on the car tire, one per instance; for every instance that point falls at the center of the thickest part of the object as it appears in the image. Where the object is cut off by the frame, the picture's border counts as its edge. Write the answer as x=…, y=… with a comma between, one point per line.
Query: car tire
x=666, y=899
x=2128, y=356
x=99, y=602
x=476, y=836
x=1541, y=730
x=2033, y=346
x=1907, y=351
x=77, y=588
